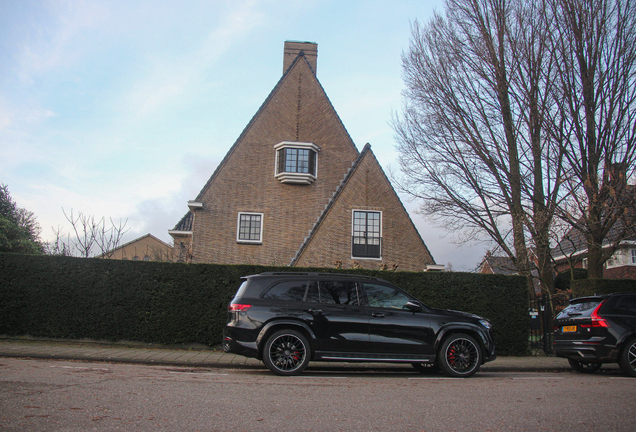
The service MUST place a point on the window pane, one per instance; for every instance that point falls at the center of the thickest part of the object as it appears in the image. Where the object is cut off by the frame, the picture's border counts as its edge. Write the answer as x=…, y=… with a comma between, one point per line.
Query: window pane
x=303, y=161
x=366, y=234
x=297, y=160
x=384, y=296
x=287, y=291
x=335, y=292
x=291, y=159
x=250, y=227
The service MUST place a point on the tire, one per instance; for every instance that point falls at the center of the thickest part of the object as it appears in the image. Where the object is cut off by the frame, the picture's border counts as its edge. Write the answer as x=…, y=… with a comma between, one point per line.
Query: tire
x=459, y=356
x=627, y=358
x=425, y=368
x=584, y=367
x=286, y=352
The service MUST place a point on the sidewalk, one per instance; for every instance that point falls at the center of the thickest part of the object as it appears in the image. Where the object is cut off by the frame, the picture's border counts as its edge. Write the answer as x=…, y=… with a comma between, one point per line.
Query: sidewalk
x=211, y=358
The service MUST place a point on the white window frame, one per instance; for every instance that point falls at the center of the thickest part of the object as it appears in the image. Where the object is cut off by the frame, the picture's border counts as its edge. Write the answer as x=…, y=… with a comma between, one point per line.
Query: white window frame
x=633, y=257
x=295, y=177
x=353, y=212
x=238, y=228
x=616, y=260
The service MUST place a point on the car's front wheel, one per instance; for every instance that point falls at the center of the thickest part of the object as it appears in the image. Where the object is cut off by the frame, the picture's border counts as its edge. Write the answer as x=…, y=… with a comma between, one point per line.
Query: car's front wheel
x=584, y=367
x=627, y=359
x=286, y=352
x=460, y=356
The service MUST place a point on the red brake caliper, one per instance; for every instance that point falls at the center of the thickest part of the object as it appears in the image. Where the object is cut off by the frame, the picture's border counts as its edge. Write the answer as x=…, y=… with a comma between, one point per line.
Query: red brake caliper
x=451, y=356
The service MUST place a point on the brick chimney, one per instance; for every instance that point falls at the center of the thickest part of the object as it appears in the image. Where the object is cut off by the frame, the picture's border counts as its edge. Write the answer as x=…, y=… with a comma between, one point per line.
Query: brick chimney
x=293, y=48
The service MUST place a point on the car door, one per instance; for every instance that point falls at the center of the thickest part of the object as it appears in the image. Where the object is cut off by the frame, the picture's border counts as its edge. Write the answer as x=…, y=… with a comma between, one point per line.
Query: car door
x=337, y=319
x=393, y=329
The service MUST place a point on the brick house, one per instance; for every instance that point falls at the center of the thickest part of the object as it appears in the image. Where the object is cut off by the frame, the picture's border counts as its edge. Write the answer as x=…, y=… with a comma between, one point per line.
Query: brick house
x=571, y=250
x=294, y=190
x=144, y=248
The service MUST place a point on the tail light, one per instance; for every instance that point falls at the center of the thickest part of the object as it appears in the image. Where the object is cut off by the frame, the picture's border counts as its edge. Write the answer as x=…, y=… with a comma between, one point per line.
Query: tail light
x=238, y=307
x=597, y=321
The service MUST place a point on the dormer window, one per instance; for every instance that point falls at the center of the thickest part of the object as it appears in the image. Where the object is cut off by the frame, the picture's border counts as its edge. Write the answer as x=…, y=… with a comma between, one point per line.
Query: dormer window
x=296, y=162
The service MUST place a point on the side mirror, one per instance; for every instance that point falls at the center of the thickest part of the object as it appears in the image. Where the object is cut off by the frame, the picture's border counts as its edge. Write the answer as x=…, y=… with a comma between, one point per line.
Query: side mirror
x=413, y=306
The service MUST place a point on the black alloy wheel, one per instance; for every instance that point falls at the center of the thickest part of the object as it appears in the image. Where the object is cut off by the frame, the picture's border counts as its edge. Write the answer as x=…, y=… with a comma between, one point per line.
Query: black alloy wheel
x=627, y=359
x=584, y=367
x=286, y=352
x=460, y=356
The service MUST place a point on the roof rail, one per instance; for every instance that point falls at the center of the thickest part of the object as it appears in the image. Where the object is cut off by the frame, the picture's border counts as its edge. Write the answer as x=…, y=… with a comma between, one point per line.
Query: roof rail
x=348, y=275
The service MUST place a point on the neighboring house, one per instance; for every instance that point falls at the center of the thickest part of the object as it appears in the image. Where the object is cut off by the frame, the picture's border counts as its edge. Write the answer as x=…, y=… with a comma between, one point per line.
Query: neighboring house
x=497, y=265
x=503, y=265
x=294, y=190
x=571, y=252
x=145, y=248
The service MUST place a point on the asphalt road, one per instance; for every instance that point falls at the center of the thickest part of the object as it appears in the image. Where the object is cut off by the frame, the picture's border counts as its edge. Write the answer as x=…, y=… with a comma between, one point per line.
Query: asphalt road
x=49, y=395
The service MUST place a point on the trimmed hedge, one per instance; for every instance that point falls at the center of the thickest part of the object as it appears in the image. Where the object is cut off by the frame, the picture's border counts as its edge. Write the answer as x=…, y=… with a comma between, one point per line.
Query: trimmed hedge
x=587, y=287
x=171, y=303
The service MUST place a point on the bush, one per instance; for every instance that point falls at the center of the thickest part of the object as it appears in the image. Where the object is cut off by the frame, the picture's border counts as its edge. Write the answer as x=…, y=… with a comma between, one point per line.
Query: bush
x=173, y=303
x=587, y=287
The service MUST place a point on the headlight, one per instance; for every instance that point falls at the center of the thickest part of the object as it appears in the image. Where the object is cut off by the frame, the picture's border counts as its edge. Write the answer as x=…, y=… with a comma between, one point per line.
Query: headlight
x=485, y=323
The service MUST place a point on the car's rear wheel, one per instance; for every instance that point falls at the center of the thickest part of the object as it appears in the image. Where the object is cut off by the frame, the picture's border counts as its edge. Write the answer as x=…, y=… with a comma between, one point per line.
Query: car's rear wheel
x=460, y=356
x=584, y=367
x=286, y=352
x=627, y=359
x=425, y=368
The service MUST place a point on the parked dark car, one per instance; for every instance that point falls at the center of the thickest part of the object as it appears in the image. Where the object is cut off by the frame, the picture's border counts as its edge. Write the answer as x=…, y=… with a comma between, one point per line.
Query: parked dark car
x=289, y=319
x=596, y=330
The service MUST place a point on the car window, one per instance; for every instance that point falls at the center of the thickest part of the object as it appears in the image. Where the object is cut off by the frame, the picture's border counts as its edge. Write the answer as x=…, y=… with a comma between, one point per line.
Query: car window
x=334, y=292
x=626, y=305
x=287, y=291
x=385, y=296
x=584, y=308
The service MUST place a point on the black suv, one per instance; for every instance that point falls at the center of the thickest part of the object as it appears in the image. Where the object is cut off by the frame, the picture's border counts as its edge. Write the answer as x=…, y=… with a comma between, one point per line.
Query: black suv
x=596, y=330
x=288, y=319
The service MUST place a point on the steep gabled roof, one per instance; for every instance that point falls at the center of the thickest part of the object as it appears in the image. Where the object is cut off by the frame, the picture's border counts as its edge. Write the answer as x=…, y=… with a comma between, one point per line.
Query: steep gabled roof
x=366, y=152
x=299, y=58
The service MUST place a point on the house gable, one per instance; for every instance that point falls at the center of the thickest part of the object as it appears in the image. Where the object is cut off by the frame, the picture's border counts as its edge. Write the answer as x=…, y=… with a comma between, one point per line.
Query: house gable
x=297, y=110
x=364, y=189
x=145, y=248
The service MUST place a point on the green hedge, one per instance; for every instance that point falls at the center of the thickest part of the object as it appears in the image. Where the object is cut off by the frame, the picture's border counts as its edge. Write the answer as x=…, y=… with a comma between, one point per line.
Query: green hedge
x=171, y=303
x=587, y=287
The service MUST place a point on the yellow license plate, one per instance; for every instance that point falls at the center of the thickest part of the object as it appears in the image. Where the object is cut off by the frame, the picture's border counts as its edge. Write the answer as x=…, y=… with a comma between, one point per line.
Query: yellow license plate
x=569, y=329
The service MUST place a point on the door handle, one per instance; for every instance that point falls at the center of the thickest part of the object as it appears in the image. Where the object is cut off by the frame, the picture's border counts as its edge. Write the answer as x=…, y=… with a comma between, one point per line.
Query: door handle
x=377, y=315
x=315, y=311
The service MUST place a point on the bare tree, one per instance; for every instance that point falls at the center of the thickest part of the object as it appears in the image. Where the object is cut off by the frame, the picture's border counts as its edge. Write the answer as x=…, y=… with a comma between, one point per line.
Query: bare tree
x=596, y=44
x=91, y=237
x=472, y=133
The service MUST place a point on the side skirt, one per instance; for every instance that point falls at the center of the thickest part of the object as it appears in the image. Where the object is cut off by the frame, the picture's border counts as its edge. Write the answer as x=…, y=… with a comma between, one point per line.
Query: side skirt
x=367, y=357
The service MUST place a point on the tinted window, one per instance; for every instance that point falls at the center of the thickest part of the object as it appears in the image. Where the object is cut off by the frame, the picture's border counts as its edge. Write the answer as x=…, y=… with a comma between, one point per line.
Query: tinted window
x=287, y=291
x=334, y=292
x=579, y=309
x=626, y=305
x=384, y=296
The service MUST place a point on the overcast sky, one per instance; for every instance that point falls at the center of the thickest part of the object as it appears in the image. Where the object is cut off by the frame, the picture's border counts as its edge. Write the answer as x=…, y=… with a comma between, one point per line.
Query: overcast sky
x=124, y=109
